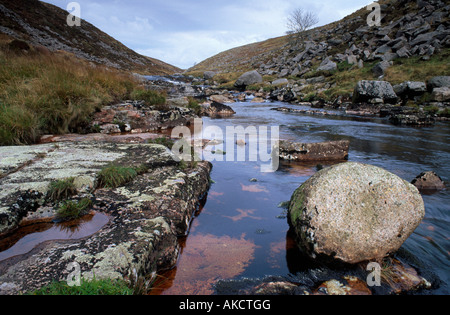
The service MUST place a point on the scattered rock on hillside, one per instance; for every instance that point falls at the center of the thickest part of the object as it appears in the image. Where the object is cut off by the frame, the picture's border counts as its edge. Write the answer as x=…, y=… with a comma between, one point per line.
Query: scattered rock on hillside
x=354, y=212
x=380, y=68
x=327, y=65
x=438, y=82
x=248, y=78
x=441, y=94
x=410, y=89
x=208, y=75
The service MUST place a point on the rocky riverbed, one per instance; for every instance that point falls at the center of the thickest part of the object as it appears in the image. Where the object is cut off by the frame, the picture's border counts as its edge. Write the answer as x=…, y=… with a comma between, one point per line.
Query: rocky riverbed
x=147, y=215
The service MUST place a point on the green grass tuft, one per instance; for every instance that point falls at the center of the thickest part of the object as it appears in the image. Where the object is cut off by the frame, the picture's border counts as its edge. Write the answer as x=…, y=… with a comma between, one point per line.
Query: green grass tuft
x=71, y=210
x=61, y=189
x=114, y=176
x=94, y=287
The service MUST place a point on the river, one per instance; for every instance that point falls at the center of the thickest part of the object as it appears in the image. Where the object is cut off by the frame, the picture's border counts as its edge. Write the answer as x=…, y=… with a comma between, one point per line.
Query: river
x=241, y=231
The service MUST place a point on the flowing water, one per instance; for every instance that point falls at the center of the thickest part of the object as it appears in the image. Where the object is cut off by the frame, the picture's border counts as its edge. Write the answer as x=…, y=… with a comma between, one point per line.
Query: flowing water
x=242, y=230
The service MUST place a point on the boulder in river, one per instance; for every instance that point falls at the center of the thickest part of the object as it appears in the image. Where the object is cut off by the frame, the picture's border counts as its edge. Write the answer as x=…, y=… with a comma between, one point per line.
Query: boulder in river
x=218, y=109
x=354, y=212
x=428, y=181
x=322, y=151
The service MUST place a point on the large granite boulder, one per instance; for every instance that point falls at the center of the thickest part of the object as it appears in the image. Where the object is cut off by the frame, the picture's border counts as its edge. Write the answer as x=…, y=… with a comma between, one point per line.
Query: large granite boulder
x=248, y=78
x=366, y=91
x=353, y=212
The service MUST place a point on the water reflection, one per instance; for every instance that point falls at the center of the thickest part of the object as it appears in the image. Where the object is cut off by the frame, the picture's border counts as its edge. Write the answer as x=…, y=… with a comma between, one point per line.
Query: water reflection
x=26, y=238
x=205, y=258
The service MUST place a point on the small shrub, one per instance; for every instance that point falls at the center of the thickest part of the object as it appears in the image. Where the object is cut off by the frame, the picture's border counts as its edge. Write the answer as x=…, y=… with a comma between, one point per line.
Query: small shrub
x=432, y=109
x=194, y=105
x=444, y=112
x=149, y=97
x=61, y=189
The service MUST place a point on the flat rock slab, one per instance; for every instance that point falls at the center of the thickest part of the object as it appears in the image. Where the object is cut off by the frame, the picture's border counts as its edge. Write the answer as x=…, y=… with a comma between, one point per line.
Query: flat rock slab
x=146, y=215
x=322, y=151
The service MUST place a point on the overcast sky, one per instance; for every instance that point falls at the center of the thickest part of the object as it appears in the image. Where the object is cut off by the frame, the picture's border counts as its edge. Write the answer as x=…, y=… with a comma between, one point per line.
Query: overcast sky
x=185, y=32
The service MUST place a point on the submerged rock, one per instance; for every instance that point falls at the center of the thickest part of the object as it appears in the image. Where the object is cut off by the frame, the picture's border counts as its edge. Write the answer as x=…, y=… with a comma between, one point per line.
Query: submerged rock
x=428, y=181
x=412, y=119
x=354, y=212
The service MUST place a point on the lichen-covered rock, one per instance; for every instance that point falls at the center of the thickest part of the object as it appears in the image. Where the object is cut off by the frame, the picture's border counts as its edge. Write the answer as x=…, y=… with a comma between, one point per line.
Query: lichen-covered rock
x=365, y=91
x=354, y=212
x=218, y=110
x=146, y=215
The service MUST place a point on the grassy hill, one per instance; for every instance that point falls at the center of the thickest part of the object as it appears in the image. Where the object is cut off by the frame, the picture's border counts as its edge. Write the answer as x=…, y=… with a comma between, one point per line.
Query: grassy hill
x=43, y=24
x=414, y=38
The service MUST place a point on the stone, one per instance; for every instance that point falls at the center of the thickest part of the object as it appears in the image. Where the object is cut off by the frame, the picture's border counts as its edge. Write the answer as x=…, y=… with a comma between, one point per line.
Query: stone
x=112, y=119
x=145, y=217
x=367, y=90
x=410, y=89
x=221, y=99
x=216, y=109
x=352, y=59
x=322, y=151
x=283, y=73
x=354, y=212
x=208, y=75
x=380, y=68
x=403, y=52
x=248, y=78
x=438, y=82
x=280, y=82
x=417, y=119
x=441, y=94
x=428, y=181
x=327, y=65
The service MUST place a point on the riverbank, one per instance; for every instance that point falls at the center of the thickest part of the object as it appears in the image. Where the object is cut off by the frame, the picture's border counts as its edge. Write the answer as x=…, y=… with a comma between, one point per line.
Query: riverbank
x=145, y=215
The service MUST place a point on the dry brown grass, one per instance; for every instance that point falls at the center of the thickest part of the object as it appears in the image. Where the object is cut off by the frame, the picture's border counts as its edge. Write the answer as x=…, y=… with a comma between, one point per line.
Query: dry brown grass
x=53, y=93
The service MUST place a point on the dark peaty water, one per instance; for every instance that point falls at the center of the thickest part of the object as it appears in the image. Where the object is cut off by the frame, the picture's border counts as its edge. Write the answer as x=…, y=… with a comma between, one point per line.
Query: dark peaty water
x=243, y=210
